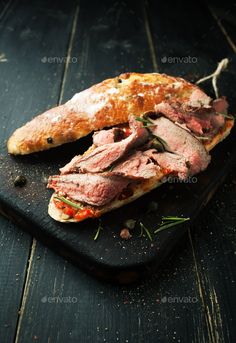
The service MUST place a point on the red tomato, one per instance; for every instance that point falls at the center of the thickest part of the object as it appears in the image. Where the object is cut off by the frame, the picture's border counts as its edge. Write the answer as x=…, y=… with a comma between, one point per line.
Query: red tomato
x=70, y=211
x=82, y=214
x=59, y=204
x=127, y=131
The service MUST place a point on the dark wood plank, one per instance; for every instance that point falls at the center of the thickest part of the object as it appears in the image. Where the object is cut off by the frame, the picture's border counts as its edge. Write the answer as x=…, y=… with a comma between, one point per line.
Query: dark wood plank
x=14, y=248
x=22, y=46
x=14, y=253
x=65, y=304
x=215, y=238
x=110, y=39
x=212, y=243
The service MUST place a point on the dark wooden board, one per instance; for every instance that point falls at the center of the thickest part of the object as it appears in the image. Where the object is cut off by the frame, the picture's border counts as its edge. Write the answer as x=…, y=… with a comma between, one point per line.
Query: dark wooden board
x=109, y=257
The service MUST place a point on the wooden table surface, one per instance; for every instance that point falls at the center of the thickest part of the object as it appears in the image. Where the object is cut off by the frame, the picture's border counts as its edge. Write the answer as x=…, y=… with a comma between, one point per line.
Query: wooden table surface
x=43, y=298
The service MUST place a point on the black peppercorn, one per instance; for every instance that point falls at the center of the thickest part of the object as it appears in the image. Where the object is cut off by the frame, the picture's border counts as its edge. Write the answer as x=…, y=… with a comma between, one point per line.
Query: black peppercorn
x=49, y=140
x=20, y=181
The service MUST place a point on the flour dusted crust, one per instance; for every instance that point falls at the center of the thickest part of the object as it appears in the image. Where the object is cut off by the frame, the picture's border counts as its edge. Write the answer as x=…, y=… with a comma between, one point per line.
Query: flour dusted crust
x=105, y=104
x=141, y=188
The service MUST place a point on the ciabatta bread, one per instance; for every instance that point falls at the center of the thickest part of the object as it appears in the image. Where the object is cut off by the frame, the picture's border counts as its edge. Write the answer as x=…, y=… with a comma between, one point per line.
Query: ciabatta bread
x=105, y=104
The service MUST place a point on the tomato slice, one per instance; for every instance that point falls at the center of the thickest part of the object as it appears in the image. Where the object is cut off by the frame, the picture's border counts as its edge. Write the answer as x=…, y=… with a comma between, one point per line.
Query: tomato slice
x=59, y=204
x=82, y=214
x=69, y=211
x=72, y=212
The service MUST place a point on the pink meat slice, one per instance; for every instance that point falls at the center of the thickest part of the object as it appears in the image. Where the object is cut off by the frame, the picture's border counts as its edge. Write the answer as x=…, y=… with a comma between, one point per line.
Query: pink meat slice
x=92, y=189
x=172, y=163
x=138, y=165
x=183, y=143
x=105, y=155
x=107, y=136
x=200, y=120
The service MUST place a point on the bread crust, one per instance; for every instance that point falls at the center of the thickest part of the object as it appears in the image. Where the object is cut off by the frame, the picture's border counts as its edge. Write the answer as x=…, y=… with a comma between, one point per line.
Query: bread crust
x=105, y=104
x=141, y=188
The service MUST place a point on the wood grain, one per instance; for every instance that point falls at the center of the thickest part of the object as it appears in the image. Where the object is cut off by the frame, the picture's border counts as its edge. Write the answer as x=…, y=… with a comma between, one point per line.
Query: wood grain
x=14, y=246
x=152, y=311
x=14, y=253
x=71, y=306
x=22, y=46
x=214, y=288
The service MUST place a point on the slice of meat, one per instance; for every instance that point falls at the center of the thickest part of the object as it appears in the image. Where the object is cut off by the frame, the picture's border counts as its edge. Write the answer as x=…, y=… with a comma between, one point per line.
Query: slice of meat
x=104, y=156
x=181, y=142
x=107, y=136
x=92, y=189
x=220, y=105
x=199, y=120
x=138, y=165
x=146, y=164
x=171, y=163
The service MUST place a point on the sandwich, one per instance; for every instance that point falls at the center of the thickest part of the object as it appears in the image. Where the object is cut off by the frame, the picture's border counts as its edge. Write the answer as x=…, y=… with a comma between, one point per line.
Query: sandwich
x=146, y=127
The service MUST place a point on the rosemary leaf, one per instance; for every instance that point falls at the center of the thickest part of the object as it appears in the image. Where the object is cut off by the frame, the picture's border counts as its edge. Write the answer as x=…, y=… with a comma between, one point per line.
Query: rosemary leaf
x=98, y=231
x=141, y=231
x=174, y=218
x=68, y=202
x=146, y=122
x=168, y=222
x=143, y=228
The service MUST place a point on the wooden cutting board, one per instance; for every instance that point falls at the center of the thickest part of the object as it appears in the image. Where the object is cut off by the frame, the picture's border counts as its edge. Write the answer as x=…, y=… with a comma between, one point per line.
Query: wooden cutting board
x=38, y=84
x=109, y=256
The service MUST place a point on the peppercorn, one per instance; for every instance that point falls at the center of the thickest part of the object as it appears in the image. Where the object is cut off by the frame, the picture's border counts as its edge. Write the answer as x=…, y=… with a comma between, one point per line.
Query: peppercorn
x=49, y=140
x=20, y=181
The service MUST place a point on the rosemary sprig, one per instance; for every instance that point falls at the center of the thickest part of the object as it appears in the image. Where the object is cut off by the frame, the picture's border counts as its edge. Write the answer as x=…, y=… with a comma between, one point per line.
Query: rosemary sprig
x=146, y=122
x=98, y=231
x=68, y=202
x=144, y=228
x=158, y=142
x=111, y=167
x=168, y=222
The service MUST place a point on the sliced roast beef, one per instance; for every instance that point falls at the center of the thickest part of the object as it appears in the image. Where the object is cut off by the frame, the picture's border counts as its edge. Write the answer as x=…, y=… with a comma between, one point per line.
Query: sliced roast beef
x=139, y=165
x=200, y=120
x=105, y=155
x=107, y=136
x=92, y=189
x=146, y=164
x=181, y=142
x=220, y=105
x=171, y=163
